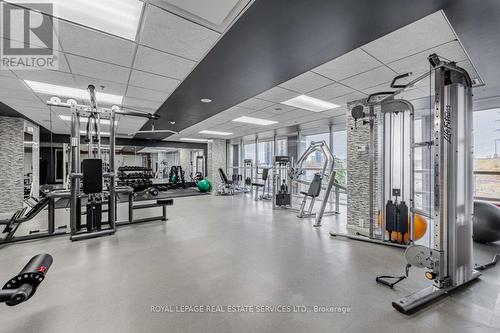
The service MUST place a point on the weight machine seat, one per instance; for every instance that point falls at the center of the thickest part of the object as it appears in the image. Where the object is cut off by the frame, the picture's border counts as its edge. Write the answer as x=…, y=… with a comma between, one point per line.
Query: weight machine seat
x=314, y=188
x=224, y=178
x=167, y=202
x=265, y=175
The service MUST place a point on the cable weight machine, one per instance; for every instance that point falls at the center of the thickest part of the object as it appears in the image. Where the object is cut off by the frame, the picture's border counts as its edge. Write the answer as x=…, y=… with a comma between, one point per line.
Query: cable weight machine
x=90, y=172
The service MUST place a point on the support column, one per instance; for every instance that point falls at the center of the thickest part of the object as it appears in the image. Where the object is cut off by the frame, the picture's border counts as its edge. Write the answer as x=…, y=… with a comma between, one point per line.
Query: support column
x=216, y=158
x=11, y=164
x=358, y=174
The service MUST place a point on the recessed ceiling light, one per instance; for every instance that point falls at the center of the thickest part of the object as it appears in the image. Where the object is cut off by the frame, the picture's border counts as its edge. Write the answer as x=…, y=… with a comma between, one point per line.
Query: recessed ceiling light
x=84, y=120
x=215, y=133
x=310, y=103
x=118, y=17
x=255, y=121
x=52, y=89
x=206, y=100
x=193, y=139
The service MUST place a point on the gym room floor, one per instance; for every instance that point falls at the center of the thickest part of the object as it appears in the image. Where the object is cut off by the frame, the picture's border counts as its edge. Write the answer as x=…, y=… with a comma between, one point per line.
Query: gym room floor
x=234, y=251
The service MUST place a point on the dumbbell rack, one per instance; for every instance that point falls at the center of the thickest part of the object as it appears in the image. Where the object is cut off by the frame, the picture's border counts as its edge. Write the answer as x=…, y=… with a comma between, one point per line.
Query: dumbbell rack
x=139, y=178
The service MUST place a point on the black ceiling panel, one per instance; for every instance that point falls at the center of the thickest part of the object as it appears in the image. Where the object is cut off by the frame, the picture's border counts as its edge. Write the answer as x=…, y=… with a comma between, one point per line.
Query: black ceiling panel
x=276, y=40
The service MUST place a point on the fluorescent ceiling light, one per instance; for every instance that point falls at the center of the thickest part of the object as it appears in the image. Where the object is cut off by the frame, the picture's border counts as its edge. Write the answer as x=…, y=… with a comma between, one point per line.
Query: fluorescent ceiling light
x=215, y=133
x=193, y=140
x=310, y=103
x=255, y=121
x=62, y=91
x=85, y=119
x=117, y=17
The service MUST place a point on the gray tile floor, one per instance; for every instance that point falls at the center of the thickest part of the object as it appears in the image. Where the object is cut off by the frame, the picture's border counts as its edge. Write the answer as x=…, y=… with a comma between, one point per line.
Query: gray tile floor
x=233, y=251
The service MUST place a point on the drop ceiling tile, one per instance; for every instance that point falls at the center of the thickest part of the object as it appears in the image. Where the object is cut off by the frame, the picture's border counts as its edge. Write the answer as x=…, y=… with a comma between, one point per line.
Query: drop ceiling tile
x=349, y=64
x=104, y=47
x=140, y=104
x=238, y=111
x=306, y=82
x=6, y=73
x=262, y=115
x=219, y=16
x=110, y=87
x=31, y=110
x=277, y=95
x=97, y=69
x=255, y=104
x=277, y=109
x=147, y=94
x=130, y=124
x=418, y=63
x=426, y=33
x=371, y=78
x=297, y=113
x=411, y=94
x=173, y=34
x=343, y=100
x=336, y=112
x=161, y=63
x=378, y=88
x=331, y=91
x=47, y=76
x=152, y=81
x=12, y=83
x=22, y=96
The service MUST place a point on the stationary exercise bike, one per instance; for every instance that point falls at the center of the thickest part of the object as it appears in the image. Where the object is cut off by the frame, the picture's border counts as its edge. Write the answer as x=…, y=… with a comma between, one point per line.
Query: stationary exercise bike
x=23, y=286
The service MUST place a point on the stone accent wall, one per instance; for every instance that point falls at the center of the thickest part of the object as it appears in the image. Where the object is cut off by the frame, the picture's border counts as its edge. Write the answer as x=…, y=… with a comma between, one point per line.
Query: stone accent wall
x=11, y=164
x=217, y=152
x=358, y=194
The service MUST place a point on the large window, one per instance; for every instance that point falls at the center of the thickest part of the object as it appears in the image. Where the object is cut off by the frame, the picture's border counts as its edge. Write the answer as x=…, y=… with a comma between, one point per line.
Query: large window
x=249, y=150
x=339, y=151
x=282, y=149
x=266, y=153
x=487, y=154
x=316, y=160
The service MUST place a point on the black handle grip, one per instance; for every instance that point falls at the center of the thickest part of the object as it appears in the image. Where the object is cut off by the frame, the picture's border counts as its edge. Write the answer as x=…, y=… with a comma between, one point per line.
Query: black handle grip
x=393, y=83
x=38, y=264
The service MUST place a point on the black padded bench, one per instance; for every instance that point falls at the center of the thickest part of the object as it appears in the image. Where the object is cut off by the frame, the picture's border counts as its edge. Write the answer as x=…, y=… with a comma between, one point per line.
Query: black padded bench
x=163, y=203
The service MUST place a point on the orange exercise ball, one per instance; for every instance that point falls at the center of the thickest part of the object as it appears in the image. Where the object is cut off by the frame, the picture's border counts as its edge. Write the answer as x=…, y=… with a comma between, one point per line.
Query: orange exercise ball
x=419, y=225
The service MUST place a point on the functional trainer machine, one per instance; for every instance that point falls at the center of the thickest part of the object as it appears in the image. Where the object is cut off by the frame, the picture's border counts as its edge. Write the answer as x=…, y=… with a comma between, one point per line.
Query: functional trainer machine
x=282, y=184
x=448, y=258
x=92, y=173
x=448, y=255
x=394, y=223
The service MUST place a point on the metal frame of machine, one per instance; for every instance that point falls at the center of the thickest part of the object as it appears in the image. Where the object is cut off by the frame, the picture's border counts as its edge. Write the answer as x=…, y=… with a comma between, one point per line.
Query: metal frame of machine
x=282, y=170
x=448, y=258
x=390, y=109
x=94, y=113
